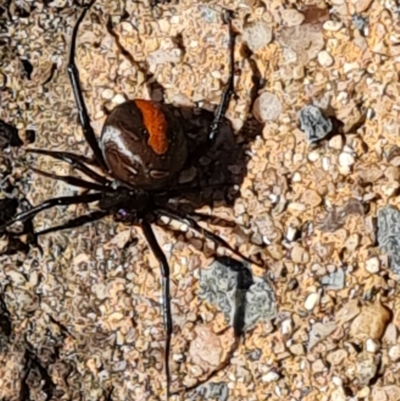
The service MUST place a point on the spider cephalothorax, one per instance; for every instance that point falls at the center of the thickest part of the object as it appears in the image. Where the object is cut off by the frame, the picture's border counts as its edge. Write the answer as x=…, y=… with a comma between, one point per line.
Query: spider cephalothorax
x=142, y=150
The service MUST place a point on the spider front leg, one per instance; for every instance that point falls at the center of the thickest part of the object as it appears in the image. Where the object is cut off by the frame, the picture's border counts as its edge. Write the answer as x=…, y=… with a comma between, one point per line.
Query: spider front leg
x=229, y=88
x=73, y=73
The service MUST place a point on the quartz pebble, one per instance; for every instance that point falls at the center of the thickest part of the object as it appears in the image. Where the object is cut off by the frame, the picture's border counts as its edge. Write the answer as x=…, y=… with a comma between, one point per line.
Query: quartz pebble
x=332, y=26
x=394, y=353
x=325, y=59
x=336, y=142
x=346, y=159
x=107, y=94
x=311, y=301
x=371, y=346
x=270, y=377
x=372, y=265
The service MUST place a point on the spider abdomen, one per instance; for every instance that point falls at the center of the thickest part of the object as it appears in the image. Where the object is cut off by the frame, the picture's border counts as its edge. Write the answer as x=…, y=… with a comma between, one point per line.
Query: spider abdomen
x=143, y=144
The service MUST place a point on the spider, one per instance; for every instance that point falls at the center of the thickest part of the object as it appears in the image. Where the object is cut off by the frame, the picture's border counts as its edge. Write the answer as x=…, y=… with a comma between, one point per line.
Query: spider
x=141, y=152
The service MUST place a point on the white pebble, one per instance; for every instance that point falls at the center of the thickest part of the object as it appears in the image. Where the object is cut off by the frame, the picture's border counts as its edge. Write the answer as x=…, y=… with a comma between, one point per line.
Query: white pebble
x=291, y=233
x=336, y=142
x=337, y=381
x=286, y=326
x=296, y=177
x=107, y=94
x=372, y=265
x=371, y=346
x=325, y=59
x=332, y=25
x=270, y=377
x=346, y=159
x=347, y=67
x=311, y=301
x=118, y=99
x=326, y=163
x=313, y=156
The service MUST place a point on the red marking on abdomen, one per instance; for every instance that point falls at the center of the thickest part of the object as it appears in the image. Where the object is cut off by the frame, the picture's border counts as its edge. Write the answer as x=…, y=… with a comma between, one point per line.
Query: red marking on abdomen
x=156, y=124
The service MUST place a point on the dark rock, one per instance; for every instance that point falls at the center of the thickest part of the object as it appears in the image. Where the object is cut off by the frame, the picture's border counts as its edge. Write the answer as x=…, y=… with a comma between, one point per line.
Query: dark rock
x=315, y=125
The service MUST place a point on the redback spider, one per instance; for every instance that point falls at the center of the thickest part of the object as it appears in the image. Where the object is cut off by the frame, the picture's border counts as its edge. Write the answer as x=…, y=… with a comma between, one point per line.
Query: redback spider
x=141, y=152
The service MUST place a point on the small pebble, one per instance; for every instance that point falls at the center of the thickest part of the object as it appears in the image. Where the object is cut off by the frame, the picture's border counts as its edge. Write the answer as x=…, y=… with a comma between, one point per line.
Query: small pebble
x=366, y=368
x=286, y=326
x=392, y=173
x=337, y=357
x=347, y=67
x=390, y=336
x=107, y=94
x=267, y=107
x=346, y=159
x=335, y=280
x=291, y=233
x=292, y=17
x=299, y=254
x=388, y=235
x=363, y=393
x=319, y=332
x=296, y=177
x=311, y=197
x=297, y=349
x=270, y=377
x=318, y=366
x=394, y=353
x=118, y=99
x=372, y=265
x=338, y=394
x=257, y=35
x=3, y=81
x=371, y=346
x=326, y=163
x=313, y=156
x=347, y=312
x=336, y=142
x=361, y=5
x=325, y=59
x=332, y=26
x=359, y=22
x=313, y=122
x=371, y=322
x=311, y=301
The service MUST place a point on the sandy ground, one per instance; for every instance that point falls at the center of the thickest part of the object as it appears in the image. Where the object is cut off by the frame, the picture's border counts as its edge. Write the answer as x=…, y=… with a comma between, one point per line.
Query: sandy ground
x=83, y=322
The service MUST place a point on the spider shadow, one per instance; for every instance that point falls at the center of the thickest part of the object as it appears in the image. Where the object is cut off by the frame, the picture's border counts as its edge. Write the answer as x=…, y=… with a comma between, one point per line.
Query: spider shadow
x=214, y=172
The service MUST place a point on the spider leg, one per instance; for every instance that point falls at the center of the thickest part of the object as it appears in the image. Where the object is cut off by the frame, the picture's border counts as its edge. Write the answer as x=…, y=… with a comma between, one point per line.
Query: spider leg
x=215, y=221
x=77, y=182
x=73, y=73
x=167, y=316
x=62, y=201
x=73, y=223
x=229, y=89
x=76, y=161
x=192, y=223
